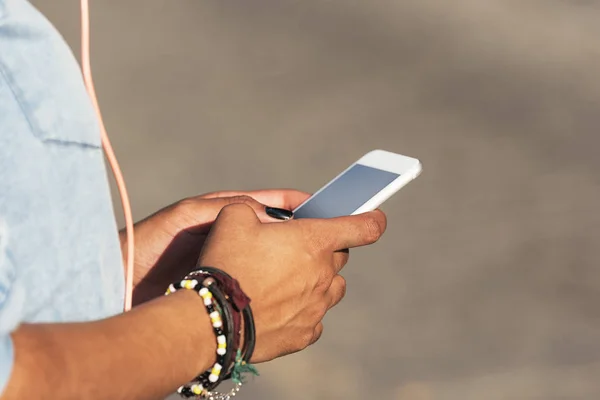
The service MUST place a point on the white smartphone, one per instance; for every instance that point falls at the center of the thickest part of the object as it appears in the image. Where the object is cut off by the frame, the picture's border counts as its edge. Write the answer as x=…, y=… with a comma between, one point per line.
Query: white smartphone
x=362, y=187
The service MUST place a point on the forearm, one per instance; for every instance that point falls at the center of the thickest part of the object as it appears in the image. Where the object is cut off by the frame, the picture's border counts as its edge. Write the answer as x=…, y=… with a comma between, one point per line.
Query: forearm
x=143, y=354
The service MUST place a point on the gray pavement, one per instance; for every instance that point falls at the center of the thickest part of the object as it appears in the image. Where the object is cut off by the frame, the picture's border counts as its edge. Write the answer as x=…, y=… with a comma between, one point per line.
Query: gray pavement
x=487, y=283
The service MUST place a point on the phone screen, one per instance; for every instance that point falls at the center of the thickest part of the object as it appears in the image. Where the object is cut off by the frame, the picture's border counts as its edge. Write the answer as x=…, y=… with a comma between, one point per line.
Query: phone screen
x=347, y=193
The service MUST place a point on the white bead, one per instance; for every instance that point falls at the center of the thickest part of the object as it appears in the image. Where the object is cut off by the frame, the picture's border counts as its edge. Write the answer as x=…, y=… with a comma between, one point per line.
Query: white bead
x=217, y=324
x=203, y=291
x=221, y=351
x=194, y=282
x=214, y=315
x=207, y=301
x=221, y=339
x=217, y=366
x=213, y=378
x=171, y=288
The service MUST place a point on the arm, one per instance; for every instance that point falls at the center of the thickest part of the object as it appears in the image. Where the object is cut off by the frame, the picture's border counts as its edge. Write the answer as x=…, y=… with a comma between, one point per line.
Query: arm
x=143, y=354
x=148, y=352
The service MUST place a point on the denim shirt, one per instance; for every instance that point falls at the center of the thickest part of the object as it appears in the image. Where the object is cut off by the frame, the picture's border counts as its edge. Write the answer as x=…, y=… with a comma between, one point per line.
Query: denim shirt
x=60, y=258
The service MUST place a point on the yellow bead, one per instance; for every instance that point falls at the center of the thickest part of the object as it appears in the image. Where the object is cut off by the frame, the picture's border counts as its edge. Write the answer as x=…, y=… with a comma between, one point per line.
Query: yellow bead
x=222, y=346
x=197, y=389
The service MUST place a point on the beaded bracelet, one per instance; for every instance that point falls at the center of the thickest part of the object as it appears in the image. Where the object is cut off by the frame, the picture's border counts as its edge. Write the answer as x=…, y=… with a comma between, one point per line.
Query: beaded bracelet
x=226, y=304
x=198, y=388
x=240, y=303
x=212, y=377
x=233, y=317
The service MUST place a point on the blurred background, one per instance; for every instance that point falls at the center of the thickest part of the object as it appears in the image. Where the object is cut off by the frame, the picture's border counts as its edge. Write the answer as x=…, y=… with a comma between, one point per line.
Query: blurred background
x=487, y=283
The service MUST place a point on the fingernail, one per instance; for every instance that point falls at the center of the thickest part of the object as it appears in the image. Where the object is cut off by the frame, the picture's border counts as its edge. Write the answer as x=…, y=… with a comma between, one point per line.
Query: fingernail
x=279, y=213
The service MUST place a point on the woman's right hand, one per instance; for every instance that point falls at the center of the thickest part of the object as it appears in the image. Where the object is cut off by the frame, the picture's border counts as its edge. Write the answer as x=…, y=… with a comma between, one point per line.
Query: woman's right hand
x=288, y=269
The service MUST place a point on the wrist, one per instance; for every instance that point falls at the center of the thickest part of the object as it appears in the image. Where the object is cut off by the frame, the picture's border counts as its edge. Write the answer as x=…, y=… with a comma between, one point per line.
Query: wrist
x=200, y=346
x=161, y=344
x=226, y=305
x=123, y=245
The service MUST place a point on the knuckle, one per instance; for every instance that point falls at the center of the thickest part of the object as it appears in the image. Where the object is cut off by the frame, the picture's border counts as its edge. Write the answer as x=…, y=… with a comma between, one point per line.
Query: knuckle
x=306, y=339
x=184, y=205
x=310, y=260
x=320, y=310
x=327, y=270
x=341, y=282
x=234, y=208
x=241, y=199
x=325, y=279
x=317, y=333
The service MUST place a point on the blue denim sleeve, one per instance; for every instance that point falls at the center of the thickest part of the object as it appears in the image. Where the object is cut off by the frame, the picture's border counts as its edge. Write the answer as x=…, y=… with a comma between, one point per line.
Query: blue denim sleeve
x=12, y=301
x=6, y=360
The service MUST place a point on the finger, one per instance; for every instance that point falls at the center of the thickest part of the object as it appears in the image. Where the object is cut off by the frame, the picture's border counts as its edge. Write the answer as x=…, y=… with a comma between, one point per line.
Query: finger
x=317, y=333
x=287, y=199
x=237, y=214
x=234, y=219
x=208, y=209
x=265, y=213
x=346, y=232
x=340, y=259
x=336, y=291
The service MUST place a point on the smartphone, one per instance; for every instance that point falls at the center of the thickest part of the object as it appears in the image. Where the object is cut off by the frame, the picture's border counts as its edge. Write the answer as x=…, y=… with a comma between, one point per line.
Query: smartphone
x=362, y=187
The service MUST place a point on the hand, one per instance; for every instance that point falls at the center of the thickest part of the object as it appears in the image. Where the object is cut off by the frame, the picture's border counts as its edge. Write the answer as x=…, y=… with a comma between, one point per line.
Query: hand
x=168, y=243
x=289, y=270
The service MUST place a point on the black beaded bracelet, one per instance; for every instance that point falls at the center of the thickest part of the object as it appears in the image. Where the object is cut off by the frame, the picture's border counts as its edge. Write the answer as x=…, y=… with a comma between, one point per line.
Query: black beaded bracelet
x=249, y=328
x=210, y=379
x=226, y=304
x=222, y=328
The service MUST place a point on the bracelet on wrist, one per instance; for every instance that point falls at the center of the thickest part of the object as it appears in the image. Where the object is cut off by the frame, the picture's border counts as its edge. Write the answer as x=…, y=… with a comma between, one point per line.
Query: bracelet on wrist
x=228, y=307
x=241, y=303
x=216, y=314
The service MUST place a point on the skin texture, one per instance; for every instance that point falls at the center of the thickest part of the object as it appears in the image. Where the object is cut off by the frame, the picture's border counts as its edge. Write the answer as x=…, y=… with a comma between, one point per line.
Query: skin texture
x=143, y=354
x=289, y=270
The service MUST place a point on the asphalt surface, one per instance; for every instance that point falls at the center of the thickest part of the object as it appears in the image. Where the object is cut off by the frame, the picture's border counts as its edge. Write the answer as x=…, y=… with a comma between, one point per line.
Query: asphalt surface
x=487, y=283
